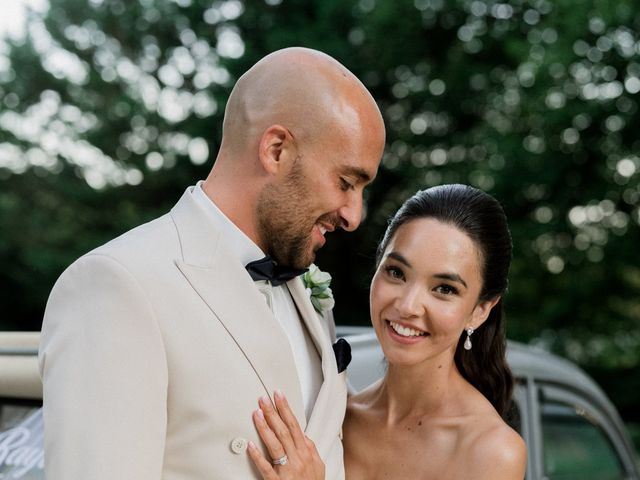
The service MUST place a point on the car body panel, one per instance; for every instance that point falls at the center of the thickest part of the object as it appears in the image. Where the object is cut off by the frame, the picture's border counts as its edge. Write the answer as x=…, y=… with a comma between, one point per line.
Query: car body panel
x=19, y=375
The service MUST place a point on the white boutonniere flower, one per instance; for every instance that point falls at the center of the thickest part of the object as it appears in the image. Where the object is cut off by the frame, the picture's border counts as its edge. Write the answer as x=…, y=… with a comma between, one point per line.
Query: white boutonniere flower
x=317, y=283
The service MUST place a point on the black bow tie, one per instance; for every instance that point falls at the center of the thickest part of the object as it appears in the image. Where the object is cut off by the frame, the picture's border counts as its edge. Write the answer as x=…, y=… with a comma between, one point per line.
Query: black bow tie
x=267, y=269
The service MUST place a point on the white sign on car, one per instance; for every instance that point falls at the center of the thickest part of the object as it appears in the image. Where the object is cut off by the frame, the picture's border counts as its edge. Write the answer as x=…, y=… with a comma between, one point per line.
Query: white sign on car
x=21, y=452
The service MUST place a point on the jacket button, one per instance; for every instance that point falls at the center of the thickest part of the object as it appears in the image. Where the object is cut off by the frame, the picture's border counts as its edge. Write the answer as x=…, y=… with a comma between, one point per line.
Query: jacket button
x=238, y=445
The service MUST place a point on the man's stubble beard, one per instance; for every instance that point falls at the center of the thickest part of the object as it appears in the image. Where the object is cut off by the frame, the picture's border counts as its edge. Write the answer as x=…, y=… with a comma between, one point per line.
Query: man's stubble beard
x=284, y=222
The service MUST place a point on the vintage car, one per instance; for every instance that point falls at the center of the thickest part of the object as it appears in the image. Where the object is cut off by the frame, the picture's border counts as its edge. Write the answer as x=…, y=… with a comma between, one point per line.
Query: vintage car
x=572, y=430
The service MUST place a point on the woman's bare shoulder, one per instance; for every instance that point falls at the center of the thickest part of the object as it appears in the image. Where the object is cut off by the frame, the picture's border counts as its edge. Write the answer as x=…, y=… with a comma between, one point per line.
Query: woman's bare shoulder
x=498, y=451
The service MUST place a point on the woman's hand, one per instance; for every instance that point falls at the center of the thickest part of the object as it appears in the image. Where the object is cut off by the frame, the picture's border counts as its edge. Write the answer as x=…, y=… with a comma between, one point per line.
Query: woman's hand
x=294, y=456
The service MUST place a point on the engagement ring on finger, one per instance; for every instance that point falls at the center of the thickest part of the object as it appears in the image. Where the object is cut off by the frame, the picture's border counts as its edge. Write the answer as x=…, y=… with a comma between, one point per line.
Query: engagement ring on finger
x=280, y=461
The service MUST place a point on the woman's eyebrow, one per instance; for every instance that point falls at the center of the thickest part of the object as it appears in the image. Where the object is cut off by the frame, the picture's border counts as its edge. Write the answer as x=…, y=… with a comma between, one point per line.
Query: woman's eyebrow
x=452, y=277
x=396, y=256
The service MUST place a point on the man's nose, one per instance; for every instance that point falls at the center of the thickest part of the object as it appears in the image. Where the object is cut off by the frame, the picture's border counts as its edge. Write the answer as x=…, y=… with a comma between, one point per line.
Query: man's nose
x=351, y=212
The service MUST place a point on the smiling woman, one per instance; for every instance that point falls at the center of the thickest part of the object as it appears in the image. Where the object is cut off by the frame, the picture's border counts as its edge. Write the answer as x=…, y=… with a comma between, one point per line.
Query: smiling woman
x=436, y=309
x=468, y=232
x=443, y=281
x=435, y=303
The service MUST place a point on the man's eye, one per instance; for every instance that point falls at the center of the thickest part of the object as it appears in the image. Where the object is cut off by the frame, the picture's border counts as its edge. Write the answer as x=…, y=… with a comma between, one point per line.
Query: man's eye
x=345, y=185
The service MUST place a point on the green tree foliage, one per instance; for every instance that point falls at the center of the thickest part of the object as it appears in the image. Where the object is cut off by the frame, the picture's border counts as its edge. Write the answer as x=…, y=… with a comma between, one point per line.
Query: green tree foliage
x=109, y=109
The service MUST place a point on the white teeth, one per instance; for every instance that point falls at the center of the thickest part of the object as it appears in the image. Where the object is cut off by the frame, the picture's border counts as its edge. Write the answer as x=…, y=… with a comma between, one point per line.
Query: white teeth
x=322, y=230
x=406, y=331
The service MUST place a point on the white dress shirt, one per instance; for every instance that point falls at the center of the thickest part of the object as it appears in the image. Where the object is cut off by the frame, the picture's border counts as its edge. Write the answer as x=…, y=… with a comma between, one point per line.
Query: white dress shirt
x=308, y=363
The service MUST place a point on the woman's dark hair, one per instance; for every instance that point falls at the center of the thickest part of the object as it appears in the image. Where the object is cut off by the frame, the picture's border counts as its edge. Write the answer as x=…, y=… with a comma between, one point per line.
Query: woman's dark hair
x=482, y=219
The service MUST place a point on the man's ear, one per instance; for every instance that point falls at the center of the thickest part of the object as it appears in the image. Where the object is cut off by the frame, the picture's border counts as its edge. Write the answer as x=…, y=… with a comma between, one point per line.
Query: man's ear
x=276, y=147
x=481, y=312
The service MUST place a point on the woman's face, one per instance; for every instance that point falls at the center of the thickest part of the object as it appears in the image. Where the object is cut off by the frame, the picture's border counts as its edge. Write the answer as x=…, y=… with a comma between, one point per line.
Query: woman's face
x=425, y=292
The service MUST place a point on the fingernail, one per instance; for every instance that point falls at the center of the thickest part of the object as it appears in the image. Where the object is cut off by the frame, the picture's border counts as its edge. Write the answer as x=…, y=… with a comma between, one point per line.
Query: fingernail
x=278, y=394
x=265, y=400
x=260, y=413
x=251, y=445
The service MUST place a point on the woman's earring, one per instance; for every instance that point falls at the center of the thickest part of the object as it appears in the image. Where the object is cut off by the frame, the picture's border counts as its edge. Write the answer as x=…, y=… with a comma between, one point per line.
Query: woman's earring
x=467, y=342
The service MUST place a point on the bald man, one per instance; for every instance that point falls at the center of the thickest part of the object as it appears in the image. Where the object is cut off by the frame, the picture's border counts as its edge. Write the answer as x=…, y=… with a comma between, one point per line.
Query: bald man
x=156, y=346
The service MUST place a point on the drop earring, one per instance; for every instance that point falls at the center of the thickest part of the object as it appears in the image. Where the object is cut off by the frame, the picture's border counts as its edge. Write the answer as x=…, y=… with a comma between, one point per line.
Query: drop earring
x=467, y=342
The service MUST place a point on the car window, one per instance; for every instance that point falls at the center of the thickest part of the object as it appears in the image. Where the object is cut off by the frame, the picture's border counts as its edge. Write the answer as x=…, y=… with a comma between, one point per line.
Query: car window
x=12, y=414
x=575, y=447
x=513, y=415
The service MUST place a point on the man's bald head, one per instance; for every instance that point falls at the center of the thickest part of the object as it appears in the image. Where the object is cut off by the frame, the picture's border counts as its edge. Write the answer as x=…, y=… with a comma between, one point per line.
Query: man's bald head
x=302, y=137
x=303, y=90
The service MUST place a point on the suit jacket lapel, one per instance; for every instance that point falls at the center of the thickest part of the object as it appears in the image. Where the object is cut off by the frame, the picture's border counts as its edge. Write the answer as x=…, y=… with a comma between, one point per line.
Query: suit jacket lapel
x=236, y=302
x=332, y=394
x=312, y=320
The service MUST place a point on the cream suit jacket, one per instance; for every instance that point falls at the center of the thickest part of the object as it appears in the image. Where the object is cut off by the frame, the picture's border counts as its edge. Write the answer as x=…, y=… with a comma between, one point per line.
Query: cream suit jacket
x=155, y=348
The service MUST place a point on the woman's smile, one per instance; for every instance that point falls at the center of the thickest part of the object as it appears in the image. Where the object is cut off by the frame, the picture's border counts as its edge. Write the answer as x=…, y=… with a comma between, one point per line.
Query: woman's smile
x=405, y=334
